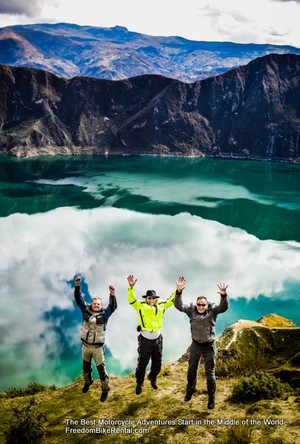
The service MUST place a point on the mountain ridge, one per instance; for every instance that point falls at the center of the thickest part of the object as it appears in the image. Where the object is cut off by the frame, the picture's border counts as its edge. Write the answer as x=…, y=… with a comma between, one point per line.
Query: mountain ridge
x=250, y=112
x=117, y=53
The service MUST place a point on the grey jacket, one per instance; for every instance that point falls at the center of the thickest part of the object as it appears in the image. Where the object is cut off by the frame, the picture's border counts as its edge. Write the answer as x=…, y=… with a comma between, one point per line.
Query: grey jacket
x=203, y=326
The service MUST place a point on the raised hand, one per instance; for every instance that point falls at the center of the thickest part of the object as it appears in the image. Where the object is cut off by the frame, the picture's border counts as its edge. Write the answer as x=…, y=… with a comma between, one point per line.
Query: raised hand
x=77, y=281
x=112, y=290
x=223, y=288
x=180, y=284
x=131, y=280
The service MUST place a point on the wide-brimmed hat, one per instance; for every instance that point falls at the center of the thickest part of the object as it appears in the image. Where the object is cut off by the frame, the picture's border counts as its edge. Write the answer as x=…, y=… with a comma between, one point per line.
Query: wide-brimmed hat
x=151, y=293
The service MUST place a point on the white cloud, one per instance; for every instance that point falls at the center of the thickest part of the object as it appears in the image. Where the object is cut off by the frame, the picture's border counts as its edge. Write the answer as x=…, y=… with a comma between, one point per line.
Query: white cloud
x=39, y=253
x=29, y=8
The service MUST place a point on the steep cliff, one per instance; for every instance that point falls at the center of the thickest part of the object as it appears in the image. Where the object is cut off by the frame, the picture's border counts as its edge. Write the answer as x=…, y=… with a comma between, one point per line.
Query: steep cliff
x=250, y=112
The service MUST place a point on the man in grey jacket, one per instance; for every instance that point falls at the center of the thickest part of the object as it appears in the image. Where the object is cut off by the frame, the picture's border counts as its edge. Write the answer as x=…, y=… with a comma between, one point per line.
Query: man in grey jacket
x=202, y=316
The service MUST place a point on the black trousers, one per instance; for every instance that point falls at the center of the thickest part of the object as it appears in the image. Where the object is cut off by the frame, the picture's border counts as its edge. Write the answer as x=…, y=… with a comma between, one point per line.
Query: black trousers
x=148, y=349
x=207, y=351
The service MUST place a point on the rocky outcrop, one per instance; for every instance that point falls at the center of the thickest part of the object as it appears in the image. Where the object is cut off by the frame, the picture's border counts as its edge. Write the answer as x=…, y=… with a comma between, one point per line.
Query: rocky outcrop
x=272, y=344
x=272, y=320
x=250, y=112
x=115, y=53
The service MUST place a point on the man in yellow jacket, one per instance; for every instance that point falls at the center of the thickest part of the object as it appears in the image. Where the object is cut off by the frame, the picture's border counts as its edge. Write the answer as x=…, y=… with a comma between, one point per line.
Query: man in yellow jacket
x=150, y=313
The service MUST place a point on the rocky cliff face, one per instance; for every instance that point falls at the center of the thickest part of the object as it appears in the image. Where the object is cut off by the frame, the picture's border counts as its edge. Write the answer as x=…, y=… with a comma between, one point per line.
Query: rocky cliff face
x=250, y=112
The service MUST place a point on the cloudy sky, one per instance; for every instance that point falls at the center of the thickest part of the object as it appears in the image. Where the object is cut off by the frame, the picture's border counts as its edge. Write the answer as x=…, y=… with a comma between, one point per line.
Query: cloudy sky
x=256, y=21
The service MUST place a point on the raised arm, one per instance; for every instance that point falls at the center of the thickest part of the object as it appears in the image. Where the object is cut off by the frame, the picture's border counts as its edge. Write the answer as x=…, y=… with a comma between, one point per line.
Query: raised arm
x=131, y=280
x=112, y=306
x=180, y=286
x=131, y=292
x=223, y=306
x=77, y=295
x=169, y=302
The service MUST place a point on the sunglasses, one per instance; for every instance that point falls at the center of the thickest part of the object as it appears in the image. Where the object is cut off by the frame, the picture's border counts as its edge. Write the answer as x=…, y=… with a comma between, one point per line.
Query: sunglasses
x=201, y=305
x=150, y=297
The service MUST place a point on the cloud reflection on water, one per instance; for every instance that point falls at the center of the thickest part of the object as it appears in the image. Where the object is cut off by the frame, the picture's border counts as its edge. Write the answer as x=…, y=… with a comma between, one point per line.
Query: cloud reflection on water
x=40, y=253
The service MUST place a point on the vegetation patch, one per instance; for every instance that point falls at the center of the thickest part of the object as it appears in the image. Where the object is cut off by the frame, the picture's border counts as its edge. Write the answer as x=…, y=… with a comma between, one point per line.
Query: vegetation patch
x=32, y=389
x=260, y=385
x=236, y=435
x=27, y=425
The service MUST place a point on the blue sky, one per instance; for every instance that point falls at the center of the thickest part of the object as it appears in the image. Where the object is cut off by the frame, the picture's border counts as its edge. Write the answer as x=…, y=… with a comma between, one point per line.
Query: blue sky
x=244, y=21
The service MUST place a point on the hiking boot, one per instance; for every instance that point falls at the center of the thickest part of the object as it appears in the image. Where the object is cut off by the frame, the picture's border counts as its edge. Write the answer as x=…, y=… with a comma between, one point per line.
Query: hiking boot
x=211, y=402
x=105, y=385
x=105, y=389
x=103, y=396
x=189, y=394
x=86, y=386
x=153, y=382
x=138, y=389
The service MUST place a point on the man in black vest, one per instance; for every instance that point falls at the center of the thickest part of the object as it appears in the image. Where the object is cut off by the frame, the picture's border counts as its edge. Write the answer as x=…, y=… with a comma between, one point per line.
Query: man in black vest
x=202, y=316
x=92, y=335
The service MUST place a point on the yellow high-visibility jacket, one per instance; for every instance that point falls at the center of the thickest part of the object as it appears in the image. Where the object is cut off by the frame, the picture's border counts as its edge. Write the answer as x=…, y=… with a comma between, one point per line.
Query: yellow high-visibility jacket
x=150, y=317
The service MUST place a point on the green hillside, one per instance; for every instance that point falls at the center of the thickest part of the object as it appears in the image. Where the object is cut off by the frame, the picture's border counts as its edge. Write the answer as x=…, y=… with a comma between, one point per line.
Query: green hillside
x=161, y=416
x=272, y=343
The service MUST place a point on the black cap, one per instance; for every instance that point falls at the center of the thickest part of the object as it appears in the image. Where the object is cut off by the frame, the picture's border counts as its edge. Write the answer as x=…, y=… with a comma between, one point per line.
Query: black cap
x=151, y=293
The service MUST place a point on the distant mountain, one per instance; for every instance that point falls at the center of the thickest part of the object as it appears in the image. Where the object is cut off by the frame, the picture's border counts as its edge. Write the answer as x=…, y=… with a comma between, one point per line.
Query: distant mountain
x=249, y=112
x=116, y=53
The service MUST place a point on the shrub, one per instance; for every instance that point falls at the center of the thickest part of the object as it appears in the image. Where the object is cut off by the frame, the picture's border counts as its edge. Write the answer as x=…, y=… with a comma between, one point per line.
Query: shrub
x=258, y=386
x=35, y=387
x=31, y=389
x=27, y=425
x=14, y=392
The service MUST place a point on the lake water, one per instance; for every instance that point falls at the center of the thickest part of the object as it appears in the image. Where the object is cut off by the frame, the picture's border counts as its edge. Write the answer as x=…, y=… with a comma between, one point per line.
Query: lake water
x=210, y=220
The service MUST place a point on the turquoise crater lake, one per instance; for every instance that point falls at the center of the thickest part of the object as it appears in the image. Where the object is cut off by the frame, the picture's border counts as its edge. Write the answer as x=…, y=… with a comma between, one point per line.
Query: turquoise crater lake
x=211, y=220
